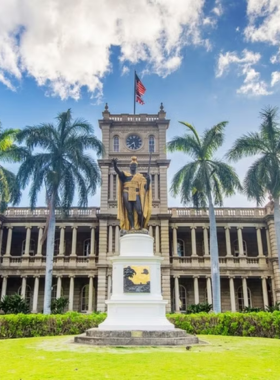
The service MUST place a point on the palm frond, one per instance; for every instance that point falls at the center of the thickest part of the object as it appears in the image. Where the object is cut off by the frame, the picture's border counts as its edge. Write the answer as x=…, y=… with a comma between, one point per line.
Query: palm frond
x=213, y=139
x=186, y=144
x=246, y=146
x=192, y=129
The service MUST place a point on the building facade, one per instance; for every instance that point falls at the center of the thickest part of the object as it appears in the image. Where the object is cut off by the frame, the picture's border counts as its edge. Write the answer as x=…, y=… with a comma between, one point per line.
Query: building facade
x=87, y=239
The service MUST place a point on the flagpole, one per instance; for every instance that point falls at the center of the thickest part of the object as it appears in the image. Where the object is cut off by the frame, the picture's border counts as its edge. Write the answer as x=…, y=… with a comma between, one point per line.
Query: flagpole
x=134, y=94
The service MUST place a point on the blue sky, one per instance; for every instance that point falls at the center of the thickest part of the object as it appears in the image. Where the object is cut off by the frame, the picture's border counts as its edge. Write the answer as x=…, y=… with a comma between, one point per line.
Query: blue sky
x=207, y=61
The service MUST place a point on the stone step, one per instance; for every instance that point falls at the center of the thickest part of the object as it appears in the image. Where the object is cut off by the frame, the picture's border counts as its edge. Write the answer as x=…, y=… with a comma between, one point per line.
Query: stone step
x=175, y=337
x=99, y=333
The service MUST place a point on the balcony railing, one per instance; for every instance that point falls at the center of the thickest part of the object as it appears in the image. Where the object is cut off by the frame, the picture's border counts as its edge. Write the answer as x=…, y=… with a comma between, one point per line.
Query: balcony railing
x=225, y=262
x=43, y=212
x=219, y=212
x=40, y=261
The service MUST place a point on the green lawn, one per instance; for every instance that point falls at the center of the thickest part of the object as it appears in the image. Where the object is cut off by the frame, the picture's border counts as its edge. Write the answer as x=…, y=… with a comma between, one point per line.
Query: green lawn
x=58, y=358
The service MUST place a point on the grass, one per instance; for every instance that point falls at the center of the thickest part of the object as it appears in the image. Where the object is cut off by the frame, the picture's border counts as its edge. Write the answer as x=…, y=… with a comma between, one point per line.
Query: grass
x=59, y=358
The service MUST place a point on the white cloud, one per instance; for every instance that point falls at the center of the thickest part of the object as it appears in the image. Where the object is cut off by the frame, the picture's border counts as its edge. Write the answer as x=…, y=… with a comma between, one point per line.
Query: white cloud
x=225, y=60
x=218, y=9
x=275, y=58
x=264, y=21
x=66, y=44
x=252, y=85
x=275, y=77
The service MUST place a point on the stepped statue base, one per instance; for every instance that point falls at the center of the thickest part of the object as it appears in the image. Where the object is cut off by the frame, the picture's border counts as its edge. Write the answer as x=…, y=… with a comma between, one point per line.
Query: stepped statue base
x=136, y=311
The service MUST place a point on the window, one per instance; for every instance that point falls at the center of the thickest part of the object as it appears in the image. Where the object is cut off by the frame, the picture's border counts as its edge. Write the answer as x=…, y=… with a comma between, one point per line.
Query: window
x=151, y=144
x=31, y=247
x=241, y=298
x=180, y=248
x=54, y=289
x=28, y=295
x=84, y=298
x=86, y=248
x=116, y=142
x=236, y=248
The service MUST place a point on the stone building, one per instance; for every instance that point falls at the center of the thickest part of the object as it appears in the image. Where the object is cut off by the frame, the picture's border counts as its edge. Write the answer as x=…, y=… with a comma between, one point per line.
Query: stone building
x=87, y=239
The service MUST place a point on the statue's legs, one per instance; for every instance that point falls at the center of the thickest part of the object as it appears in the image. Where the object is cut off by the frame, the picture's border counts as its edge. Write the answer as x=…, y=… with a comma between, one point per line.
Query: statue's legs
x=138, y=208
x=129, y=208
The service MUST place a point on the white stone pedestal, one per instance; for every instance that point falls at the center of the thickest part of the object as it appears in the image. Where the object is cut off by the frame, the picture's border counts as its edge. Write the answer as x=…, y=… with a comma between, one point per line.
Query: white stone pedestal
x=130, y=310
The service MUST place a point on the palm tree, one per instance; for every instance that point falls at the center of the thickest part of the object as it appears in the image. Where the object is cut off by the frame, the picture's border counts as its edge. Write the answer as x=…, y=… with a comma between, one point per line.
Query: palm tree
x=263, y=176
x=204, y=182
x=63, y=168
x=9, y=152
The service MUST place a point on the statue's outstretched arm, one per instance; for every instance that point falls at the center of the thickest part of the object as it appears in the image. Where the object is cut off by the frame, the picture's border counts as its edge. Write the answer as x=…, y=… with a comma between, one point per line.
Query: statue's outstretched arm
x=117, y=170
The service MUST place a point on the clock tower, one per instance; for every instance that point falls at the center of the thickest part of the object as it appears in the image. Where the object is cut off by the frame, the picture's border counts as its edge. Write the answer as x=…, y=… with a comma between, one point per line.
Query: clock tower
x=125, y=135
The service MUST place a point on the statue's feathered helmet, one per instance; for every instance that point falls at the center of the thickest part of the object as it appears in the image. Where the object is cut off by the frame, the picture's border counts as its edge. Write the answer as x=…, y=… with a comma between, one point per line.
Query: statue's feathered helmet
x=134, y=160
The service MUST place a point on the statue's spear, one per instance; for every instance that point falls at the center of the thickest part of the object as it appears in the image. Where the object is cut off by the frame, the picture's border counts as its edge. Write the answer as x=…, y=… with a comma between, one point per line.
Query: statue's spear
x=145, y=194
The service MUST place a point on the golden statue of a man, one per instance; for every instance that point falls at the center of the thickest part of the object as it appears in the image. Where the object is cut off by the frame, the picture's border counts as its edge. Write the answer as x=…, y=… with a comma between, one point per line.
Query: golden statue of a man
x=134, y=197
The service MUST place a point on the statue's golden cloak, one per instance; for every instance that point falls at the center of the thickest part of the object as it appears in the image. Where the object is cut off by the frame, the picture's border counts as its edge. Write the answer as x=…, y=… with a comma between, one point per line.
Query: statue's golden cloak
x=139, y=181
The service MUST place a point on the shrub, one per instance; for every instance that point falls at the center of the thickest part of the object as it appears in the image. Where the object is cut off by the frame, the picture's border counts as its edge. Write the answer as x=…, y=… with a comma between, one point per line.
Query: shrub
x=199, y=308
x=275, y=307
x=14, y=304
x=58, y=305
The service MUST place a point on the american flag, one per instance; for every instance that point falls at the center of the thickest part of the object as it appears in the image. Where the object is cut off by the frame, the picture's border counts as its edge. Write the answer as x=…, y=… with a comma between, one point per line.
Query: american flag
x=139, y=100
x=140, y=88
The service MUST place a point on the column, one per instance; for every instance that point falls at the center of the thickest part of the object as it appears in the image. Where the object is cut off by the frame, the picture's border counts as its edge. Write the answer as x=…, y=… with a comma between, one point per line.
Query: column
x=265, y=293
x=110, y=240
x=157, y=240
x=228, y=243
x=4, y=286
x=259, y=241
x=92, y=240
x=117, y=239
x=27, y=241
x=268, y=242
x=206, y=241
x=232, y=294
x=111, y=195
x=109, y=286
x=35, y=295
x=58, y=287
x=209, y=290
x=240, y=241
x=156, y=187
x=177, y=294
x=23, y=287
x=175, y=249
x=62, y=241
x=1, y=239
x=193, y=238
x=9, y=241
x=74, y=240
x=90, y=294
x=151, y=231
x=196, y=289
x=245, y=291
x=39, y=245
x=71, y=293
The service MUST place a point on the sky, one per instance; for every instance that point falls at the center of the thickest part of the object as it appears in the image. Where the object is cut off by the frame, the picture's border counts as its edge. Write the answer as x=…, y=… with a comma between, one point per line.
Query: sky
x=207, y=60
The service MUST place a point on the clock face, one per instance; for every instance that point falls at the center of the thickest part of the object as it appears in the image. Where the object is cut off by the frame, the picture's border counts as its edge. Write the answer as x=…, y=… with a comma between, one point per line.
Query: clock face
x=133, y=142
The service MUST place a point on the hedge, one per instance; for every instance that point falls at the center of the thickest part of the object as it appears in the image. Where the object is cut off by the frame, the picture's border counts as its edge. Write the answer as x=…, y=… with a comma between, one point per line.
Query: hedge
x=257, y=324
x=31, y=325
x=260, y=324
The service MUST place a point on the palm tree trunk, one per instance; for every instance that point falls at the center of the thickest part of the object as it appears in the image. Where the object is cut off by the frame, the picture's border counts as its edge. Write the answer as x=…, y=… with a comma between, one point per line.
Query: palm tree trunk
x=214, y=255
x=277, y=226
x=49, y=259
